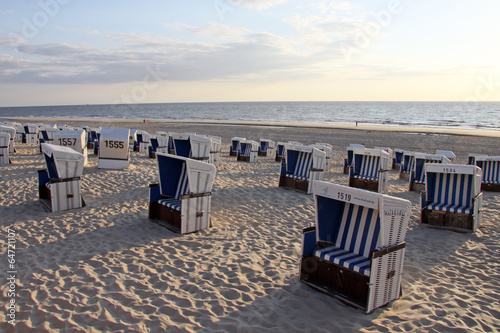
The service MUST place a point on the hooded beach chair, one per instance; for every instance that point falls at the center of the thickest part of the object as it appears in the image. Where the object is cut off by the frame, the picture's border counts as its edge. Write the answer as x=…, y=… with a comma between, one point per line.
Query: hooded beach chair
x=4, y=148
x=369, y=169
x=48, y=133
x=74, y=139
x=19, y=131
x=59, y=186
x=235, y=145
x=407, y=165
x=350, y=155
x=280, y=151
x=452, y=197
x=30, y=133
x=215, y=148
x=182, y=199
x=93, y=137
x=472, y=158
x=12, y=133
x=301, y=166
x=417, y=175
x=191, y=146
x=266, y=147
x=114, y=149
x=327, y=148
x=491, y=172
x=142, y=141
x=398, y=159
x=356, y=250
x=159, y=144
x=248, y=151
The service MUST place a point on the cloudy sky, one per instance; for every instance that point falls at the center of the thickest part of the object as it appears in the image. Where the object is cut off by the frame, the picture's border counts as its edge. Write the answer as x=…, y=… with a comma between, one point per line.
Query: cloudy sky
x=55, y=52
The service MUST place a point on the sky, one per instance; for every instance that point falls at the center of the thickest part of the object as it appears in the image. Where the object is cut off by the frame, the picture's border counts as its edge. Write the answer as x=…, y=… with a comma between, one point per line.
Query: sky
x=70, y=52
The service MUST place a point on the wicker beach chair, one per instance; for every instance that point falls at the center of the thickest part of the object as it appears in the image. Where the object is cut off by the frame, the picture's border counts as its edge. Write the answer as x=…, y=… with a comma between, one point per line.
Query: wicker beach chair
x=12, y=132
x=348, y=161
x=452, y=197
x=356, y=250
x=369, y=169
x=248, y=151
x=417, y=175
x=74, y=139
x=491, y=172
x=158, y=144
x=181, y=200
x=301, y=166
x=235, y=145
x=4, y=148
x=59, y=185
x=142, y=141
x=407, y=164
x=266, y=147
x=114, y=149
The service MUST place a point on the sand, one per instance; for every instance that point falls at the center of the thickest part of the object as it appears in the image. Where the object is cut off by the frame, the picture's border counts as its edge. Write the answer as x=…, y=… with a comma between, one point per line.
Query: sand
x=107, y=268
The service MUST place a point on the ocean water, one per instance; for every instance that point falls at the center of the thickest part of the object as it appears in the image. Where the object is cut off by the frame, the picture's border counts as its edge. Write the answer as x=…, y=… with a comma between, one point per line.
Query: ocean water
x=482, y=115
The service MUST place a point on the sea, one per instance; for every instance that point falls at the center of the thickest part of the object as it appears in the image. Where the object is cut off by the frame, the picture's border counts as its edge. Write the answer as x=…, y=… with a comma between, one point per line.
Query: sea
x=456, y=115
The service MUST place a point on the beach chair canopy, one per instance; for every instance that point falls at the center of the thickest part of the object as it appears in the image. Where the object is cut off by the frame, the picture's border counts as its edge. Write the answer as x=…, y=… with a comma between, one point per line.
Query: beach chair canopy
x=180, y=175
x=62, y=162
x=75, y=139
x=114, y=143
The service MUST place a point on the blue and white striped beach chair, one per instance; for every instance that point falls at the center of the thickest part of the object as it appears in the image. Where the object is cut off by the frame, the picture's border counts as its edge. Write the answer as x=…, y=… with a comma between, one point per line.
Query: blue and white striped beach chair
x=181, y=200
x=491, y=172
x=235, y=145
x=398, y=159
x=369, y=169
x=59, y=185
x=350, y=154
x=407, y=165
x=248, y=151
x=266, y=147
x=417, y=175
x=30, y=133
x=452, y=196
x=12, y=133
x=356, y=249
x=158, y=144
x=302, y=165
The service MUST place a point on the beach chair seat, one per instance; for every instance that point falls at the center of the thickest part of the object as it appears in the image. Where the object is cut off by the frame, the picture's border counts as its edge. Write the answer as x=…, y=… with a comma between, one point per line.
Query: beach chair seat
x=181, y=201
x=59, y=185
x=114, y=149
x=491, y=172
x=4, y=148
x=369, y=169
x=355, y=252
x=266, y=147
x=417, y=175
x=452, y=197
x=248, y=151
x=301, y=166
x=350, y=155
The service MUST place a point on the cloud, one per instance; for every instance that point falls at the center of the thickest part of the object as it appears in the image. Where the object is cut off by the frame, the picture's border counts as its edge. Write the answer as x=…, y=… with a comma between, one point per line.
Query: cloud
x=255, y=4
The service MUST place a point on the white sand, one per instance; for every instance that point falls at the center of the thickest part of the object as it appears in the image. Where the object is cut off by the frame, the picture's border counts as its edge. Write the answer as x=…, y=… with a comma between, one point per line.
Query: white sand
x=107, y=268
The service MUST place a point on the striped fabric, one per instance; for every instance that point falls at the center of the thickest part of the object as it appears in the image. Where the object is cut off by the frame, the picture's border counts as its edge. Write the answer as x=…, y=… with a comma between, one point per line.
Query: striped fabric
x=491, y=172
x=369, y=167
x=420, y=170
x=357, y=236
x=453, y=193
x=304, y=164
x=246, y=149
x=263, y=146
x=182, y=188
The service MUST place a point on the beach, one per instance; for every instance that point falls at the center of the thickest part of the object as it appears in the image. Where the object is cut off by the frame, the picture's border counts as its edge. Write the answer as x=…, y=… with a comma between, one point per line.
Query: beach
x=107, y=268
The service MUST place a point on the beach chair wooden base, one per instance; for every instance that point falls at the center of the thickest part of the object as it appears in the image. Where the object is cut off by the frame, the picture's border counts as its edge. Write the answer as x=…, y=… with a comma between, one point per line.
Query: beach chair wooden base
x=232, y=153
x=243, y=158
x=45, y=197
x=96, y=151
x=152, y=154
x=293, y=183
x=364, y=184
x=165, y=216
x=396, y=166
x=90, y=145
x=404, y=175
x=447, y=220
x=136, y=148
x=337, y=281
x=278, y=158
x=490, y=187
x=262, y=153
x=417, y=187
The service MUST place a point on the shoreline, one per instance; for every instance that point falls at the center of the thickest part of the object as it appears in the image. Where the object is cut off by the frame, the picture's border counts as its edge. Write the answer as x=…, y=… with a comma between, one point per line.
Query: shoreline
x=340, y=126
